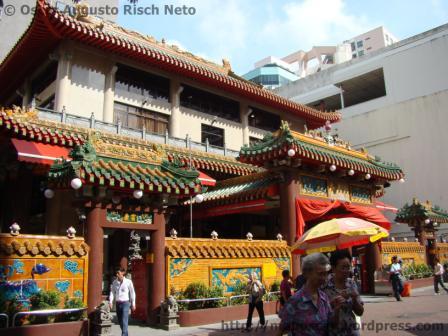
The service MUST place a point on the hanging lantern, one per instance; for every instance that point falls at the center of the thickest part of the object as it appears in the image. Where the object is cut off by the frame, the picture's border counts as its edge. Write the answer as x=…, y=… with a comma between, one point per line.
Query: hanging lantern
x=368, y=176
x=137, y=194
x=76, y=183
x=351, y=172
x=49, y=193
x=332, y=168
x=291, y=152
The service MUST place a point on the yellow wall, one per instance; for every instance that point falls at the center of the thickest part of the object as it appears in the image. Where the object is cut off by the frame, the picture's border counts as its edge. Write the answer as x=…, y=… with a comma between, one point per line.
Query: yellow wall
x=66, y=261
x=200, y=270
x=442, y=251
x=410, y=252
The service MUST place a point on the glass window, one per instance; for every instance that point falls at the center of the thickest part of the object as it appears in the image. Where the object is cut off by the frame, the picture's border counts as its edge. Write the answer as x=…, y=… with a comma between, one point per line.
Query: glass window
x=354, y=55
x=359, y=44
x=353, y=46
x=215, y=135
x=210, y=103
x=360, y=53
x=264, y=120
x=139, y=82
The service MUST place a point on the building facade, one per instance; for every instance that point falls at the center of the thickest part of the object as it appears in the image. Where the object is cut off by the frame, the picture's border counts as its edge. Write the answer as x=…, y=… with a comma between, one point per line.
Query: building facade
x=397, y=95
x=370, y=41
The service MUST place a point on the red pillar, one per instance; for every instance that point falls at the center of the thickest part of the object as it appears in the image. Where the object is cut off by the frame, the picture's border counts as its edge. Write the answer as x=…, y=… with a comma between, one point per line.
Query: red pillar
x=373, y=263
x=157, y=269
x=288, y=192
x=94, y=238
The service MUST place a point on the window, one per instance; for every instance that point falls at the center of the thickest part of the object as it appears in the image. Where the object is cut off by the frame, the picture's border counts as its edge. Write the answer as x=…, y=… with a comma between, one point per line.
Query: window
x=359, y=44
x=44, y=79
x=264, y=120
x=354, y=55
x=353, y=46
x=136, y=118
x=214, y=135
x=360, y=53
x=136, y=81
x=210, y=103
x=48, y=103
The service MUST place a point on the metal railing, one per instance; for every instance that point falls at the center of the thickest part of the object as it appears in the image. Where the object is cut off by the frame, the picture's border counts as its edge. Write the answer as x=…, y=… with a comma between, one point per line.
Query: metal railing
x=236, y=297
x=6, y=317
x=45, y=313
x=76, y=120
x=271, y=294
x=229, y=299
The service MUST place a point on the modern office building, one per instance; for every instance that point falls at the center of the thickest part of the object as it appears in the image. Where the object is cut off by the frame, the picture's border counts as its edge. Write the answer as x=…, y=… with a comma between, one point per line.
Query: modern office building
x=397, y=96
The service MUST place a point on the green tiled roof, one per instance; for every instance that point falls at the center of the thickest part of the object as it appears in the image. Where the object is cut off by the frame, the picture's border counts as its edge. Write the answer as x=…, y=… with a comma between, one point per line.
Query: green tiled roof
x=320, y=150
x=124, y=174
x=421, y=211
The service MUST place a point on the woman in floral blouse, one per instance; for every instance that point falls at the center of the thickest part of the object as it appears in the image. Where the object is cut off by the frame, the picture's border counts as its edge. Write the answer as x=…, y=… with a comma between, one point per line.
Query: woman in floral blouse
x=309, y=312
x=340, y=284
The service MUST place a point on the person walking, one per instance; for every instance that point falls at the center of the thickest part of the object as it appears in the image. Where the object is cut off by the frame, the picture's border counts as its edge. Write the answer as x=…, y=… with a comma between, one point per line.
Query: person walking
x=340, y=283
x=438, y=274
x=256, y=290
x=123, y=293
x=285, y=288
x=394, y=274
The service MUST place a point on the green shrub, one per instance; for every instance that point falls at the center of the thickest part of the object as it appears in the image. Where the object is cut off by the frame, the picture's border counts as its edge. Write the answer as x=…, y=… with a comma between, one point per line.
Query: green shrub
x=195, y=290
x=275, y=287
x=215, y=292
x=44, y=300
x=240, y=289
x=69, y=304
x=199, y=290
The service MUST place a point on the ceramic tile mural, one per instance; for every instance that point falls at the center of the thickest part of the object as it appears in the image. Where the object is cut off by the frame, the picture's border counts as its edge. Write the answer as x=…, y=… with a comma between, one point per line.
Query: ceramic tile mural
x=228, y=278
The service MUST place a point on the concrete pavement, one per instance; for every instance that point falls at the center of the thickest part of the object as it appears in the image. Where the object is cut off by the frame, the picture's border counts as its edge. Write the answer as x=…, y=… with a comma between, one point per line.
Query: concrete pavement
x=420, y=315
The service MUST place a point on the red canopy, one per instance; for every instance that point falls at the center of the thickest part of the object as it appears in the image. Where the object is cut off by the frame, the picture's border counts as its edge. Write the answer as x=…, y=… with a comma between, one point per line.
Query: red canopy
x=36, y=152
x=307, y=209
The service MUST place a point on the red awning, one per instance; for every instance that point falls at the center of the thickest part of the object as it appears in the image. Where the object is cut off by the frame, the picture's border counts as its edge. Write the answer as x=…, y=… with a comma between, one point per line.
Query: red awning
x=206, y=180
x=41, y=153
x=310, y=209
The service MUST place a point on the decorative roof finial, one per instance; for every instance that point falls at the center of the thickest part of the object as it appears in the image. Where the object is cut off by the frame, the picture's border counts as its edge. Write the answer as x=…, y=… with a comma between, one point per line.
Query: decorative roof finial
x=173, y=233
x=279, y=237
x=71, y=232
x=214, y=235
x=249, y=236
x=15, y=229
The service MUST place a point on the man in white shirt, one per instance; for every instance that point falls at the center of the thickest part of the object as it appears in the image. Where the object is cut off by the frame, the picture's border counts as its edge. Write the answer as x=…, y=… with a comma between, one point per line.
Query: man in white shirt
x=395, y=271
x=438, y=273
x=122, y=291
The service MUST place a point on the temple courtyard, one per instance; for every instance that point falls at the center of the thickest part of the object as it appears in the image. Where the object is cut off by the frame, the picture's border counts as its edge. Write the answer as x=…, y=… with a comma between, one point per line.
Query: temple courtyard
x=421, y=314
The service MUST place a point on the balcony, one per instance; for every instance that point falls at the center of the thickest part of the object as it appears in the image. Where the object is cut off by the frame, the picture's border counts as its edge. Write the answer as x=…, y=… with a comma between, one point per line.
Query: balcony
x=74, y=120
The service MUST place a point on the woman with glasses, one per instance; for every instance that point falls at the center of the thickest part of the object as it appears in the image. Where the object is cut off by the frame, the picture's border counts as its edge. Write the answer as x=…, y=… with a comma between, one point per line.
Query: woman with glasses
x=309, y=312
x=340, y=285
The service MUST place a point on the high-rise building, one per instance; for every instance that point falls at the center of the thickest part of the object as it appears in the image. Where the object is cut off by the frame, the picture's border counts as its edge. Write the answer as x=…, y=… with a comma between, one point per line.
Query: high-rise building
x=273, y=72
x=370, y=41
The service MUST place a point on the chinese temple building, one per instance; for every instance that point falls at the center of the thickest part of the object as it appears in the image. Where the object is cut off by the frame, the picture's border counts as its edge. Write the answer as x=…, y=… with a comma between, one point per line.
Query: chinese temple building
x=116, y=175
x=424, y=219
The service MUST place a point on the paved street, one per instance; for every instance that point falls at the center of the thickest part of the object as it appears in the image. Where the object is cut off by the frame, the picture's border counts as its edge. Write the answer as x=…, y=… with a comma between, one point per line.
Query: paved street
x=420, y=315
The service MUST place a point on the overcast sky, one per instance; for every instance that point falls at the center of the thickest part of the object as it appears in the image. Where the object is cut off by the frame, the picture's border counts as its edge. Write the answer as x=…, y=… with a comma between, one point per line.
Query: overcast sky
x=245, y=31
